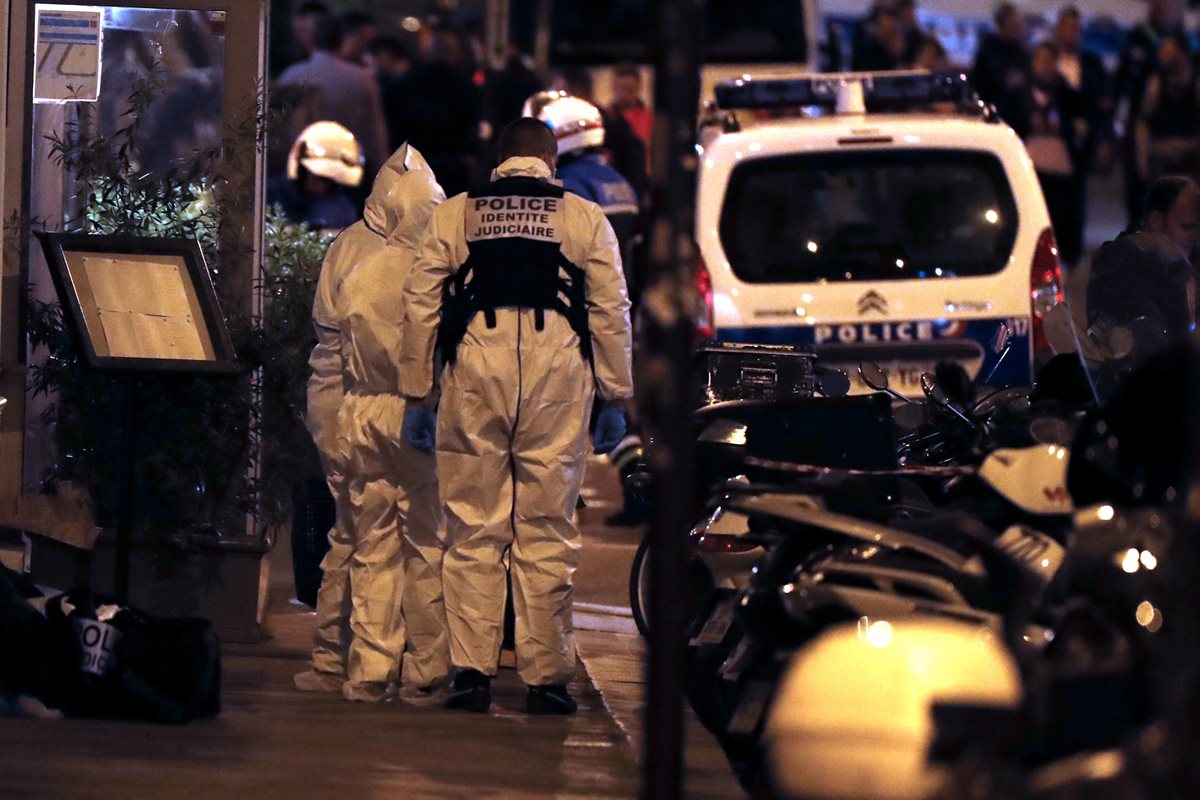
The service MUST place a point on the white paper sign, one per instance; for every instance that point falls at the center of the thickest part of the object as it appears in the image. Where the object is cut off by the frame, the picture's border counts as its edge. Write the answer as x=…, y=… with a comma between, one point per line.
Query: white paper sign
x=68, y=54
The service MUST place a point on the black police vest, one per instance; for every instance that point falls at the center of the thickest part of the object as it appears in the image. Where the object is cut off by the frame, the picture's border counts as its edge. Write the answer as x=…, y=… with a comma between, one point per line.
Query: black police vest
x=514, y=229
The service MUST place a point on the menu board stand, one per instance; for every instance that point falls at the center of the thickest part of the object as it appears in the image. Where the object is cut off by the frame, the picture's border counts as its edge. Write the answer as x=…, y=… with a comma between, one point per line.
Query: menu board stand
x=135, y=306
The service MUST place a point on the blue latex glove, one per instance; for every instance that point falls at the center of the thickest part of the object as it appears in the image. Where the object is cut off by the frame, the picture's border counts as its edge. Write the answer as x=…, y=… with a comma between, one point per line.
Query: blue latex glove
x=420, y=427
x=610, y=429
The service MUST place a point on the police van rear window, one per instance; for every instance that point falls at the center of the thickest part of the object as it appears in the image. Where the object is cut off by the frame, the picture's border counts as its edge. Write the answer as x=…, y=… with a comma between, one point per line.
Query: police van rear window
x=866, y=216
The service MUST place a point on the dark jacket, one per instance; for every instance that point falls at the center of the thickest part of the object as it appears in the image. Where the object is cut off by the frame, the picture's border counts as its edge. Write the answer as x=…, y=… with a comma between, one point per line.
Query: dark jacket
x=1057, y=108
x=1133, y=277
x=1096, y=106
x=1139, y=60
x=590, y=177
x=1002, y=76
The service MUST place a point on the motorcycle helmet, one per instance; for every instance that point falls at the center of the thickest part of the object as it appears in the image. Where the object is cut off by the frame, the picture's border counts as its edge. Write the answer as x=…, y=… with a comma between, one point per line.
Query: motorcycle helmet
x=853, y=718
x=328, y=150
x=577, y=124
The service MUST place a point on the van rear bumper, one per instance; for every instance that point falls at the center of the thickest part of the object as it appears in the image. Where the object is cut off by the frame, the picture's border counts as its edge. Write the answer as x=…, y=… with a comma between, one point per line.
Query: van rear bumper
x=967, y=342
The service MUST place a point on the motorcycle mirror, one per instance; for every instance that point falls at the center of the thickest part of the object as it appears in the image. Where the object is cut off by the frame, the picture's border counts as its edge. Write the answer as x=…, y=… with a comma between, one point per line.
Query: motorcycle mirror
x=873, y=376
x=931, y=389
x=1000, y=340
x=909, y=417
x=833, y=383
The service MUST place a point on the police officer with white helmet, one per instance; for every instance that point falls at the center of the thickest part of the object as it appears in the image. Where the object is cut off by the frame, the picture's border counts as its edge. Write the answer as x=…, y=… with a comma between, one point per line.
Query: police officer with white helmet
x=583, y=165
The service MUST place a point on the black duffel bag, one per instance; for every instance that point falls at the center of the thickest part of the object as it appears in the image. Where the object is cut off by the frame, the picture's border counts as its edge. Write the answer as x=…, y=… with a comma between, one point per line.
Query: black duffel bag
x=131, y=665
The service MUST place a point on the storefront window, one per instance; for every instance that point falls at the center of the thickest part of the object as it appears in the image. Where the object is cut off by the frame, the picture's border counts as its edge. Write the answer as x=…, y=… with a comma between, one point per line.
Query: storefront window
x=151, y=98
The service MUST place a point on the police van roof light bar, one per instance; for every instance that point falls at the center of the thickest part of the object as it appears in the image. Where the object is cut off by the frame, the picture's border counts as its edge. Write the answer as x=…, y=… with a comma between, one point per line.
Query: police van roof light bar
x=851, y=92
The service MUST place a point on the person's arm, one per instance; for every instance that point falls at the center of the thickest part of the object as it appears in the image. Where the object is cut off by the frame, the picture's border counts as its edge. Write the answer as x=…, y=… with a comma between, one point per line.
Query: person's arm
x=608, y=313
x=423, y=300
x=1141, y=130
x=324, y=390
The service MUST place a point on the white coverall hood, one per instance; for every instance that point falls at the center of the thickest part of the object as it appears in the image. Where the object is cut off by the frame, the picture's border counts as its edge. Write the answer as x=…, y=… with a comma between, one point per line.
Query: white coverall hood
x=402, y=200
x=396, y=209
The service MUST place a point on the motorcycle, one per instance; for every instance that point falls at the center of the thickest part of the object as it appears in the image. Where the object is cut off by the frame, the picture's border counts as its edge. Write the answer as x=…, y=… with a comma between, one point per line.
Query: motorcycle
x=1099, y=711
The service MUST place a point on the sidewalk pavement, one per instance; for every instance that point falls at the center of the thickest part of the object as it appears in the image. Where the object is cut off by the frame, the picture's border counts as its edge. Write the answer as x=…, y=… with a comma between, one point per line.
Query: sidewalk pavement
x=272, y=742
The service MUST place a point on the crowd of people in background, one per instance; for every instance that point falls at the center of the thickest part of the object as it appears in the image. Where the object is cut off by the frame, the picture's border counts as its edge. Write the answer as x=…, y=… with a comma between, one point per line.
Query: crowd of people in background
x=1075, y=116
x=426, y=83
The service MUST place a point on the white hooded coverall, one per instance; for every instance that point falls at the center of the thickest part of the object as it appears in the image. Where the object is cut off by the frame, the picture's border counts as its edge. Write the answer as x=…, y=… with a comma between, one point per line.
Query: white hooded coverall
x=512, y=435
x=385, y=572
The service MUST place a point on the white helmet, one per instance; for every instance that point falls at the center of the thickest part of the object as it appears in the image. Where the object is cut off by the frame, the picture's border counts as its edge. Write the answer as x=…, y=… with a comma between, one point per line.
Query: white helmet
x=852, y=719
x=576, y=123
x=329, y=150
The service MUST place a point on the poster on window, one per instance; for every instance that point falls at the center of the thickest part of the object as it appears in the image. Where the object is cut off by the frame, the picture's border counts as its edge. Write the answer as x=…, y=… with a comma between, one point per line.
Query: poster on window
x=68, y=42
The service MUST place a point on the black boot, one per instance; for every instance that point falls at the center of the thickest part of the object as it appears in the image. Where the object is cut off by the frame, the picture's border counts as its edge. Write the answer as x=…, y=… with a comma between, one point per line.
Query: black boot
x=472, y=691
x=549, y=699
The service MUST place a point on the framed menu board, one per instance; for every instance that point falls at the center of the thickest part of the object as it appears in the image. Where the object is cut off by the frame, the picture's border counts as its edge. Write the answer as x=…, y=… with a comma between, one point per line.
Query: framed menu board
x=140, y=303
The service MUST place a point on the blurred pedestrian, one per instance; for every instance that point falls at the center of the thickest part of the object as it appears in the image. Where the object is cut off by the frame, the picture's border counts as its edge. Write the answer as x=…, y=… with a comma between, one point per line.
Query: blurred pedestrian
x=304, y=23
x=881, y=44
x=1146, y=272
x=1139, y=61
x=1169, y=129
x=911, y=33
x=1051, y=142
x=1001, y=73
x=630, y=104
x=510, y=87
x=931, y=55
x=358, y=34
x=437, y=109
x=626, y=149
x=340, y=92
x=392, y=59
x=1085, y=77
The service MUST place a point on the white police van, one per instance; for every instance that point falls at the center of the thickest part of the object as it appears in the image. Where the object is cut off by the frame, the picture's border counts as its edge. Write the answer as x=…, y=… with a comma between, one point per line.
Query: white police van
x=887, y=217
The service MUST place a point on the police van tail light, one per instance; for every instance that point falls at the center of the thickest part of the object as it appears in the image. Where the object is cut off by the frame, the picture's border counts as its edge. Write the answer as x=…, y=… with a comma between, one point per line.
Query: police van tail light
x=705, y=327
x=1046, y=285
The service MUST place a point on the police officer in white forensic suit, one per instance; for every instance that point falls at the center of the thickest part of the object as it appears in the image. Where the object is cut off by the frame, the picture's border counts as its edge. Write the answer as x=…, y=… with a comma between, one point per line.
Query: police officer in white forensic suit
x=520, y=285
x=383, y=574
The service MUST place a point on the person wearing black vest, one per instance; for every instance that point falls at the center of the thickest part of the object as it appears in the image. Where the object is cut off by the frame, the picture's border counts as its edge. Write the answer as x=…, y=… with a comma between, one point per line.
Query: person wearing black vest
x=518, y=287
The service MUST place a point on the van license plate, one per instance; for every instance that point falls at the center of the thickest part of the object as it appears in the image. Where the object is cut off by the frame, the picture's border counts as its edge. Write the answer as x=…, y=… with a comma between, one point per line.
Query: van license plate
x=903, y=376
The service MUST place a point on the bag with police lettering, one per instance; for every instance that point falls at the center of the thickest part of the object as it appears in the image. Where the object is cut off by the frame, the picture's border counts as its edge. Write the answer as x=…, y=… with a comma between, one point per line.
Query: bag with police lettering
x=135, y=666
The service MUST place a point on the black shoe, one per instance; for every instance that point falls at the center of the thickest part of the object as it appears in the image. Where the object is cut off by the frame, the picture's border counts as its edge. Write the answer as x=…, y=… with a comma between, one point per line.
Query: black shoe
x=472, y=691
x=549, y=699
